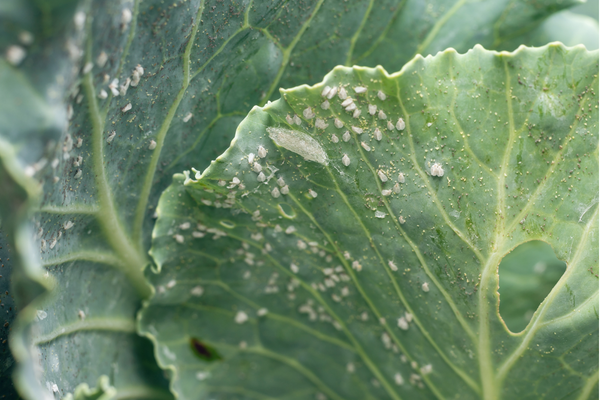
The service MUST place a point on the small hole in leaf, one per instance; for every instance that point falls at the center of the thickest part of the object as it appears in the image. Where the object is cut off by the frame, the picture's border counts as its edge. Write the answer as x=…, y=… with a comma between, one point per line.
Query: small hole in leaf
x=286, y=210
x=527, y=275
x=204, y=351
x=227, y=224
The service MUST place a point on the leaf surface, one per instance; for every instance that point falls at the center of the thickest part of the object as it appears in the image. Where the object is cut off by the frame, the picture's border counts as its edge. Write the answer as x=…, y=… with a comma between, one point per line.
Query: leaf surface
x=206, y=63
x=332, y=255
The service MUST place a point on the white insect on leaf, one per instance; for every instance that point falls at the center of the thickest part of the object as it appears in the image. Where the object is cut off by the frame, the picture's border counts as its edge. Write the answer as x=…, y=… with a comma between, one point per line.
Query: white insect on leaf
x=275, y=192
x=398, y=379
x=152, y=145
x=334, y=138
x=372, y=109
x=321, y=124
x=126, y=16
x=342, y=94
x=437, y=170
x=365, y=146
x=299, y=143
x=346, y=136
x=401, y=219
x=357, y=129
x=325, y=105
x=197, y=291
x=187, y=117
x=377, y=134
x=126, y=108
x=294, y=268
x=396, y=188
x=251, y=159
x=408, y=316
x=381, y=95
x=325, y=91
x=262, y=152
x=332, y=92
x=285, y=189
x=356, y=113
x=403, y=323
x=261, y=177
x=356, y=265
x=382, y=176
x=351, y=107
x=401, y=178
x=346, y=160
x=392, y=266
x=308, y=113
x=281, y=182
x=179, y=238
x=400, y=125
x=139, y=69
x=289, y=119
x=15, y=54
x=425, y=287
x=381, y=115
x=426, y=369
x=338, y=124
x=379, y=214
x=257, y=167
x=290, y=229
x=262, y=312
x=102, y=95
x=123, y=88
x=312, y=193
x=360, y=89
x=390, y=126
x=297, y=120
x=347, y=102
x=78, y=174
x=87, y=68
x=68, y=225
x=111, y=136
x=240, y=317
x=386, y=192
x=101, y=59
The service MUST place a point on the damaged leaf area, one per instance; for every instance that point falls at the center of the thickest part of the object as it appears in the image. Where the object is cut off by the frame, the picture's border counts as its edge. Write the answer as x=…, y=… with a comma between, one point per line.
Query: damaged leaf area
x=363, y=264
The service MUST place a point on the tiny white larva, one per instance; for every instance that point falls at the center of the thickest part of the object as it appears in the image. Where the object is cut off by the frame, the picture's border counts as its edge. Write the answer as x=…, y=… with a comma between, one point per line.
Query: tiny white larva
x=15, y=54
x=241, y=317
x=356, y=265
x=251, y=159
x=297, y=120
x=289, y=119
x=257, y=167
x=101, y=59
x=392, y=266
x=380, y=214
x=398, y=379
x=294, y=268
x=68, y=225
